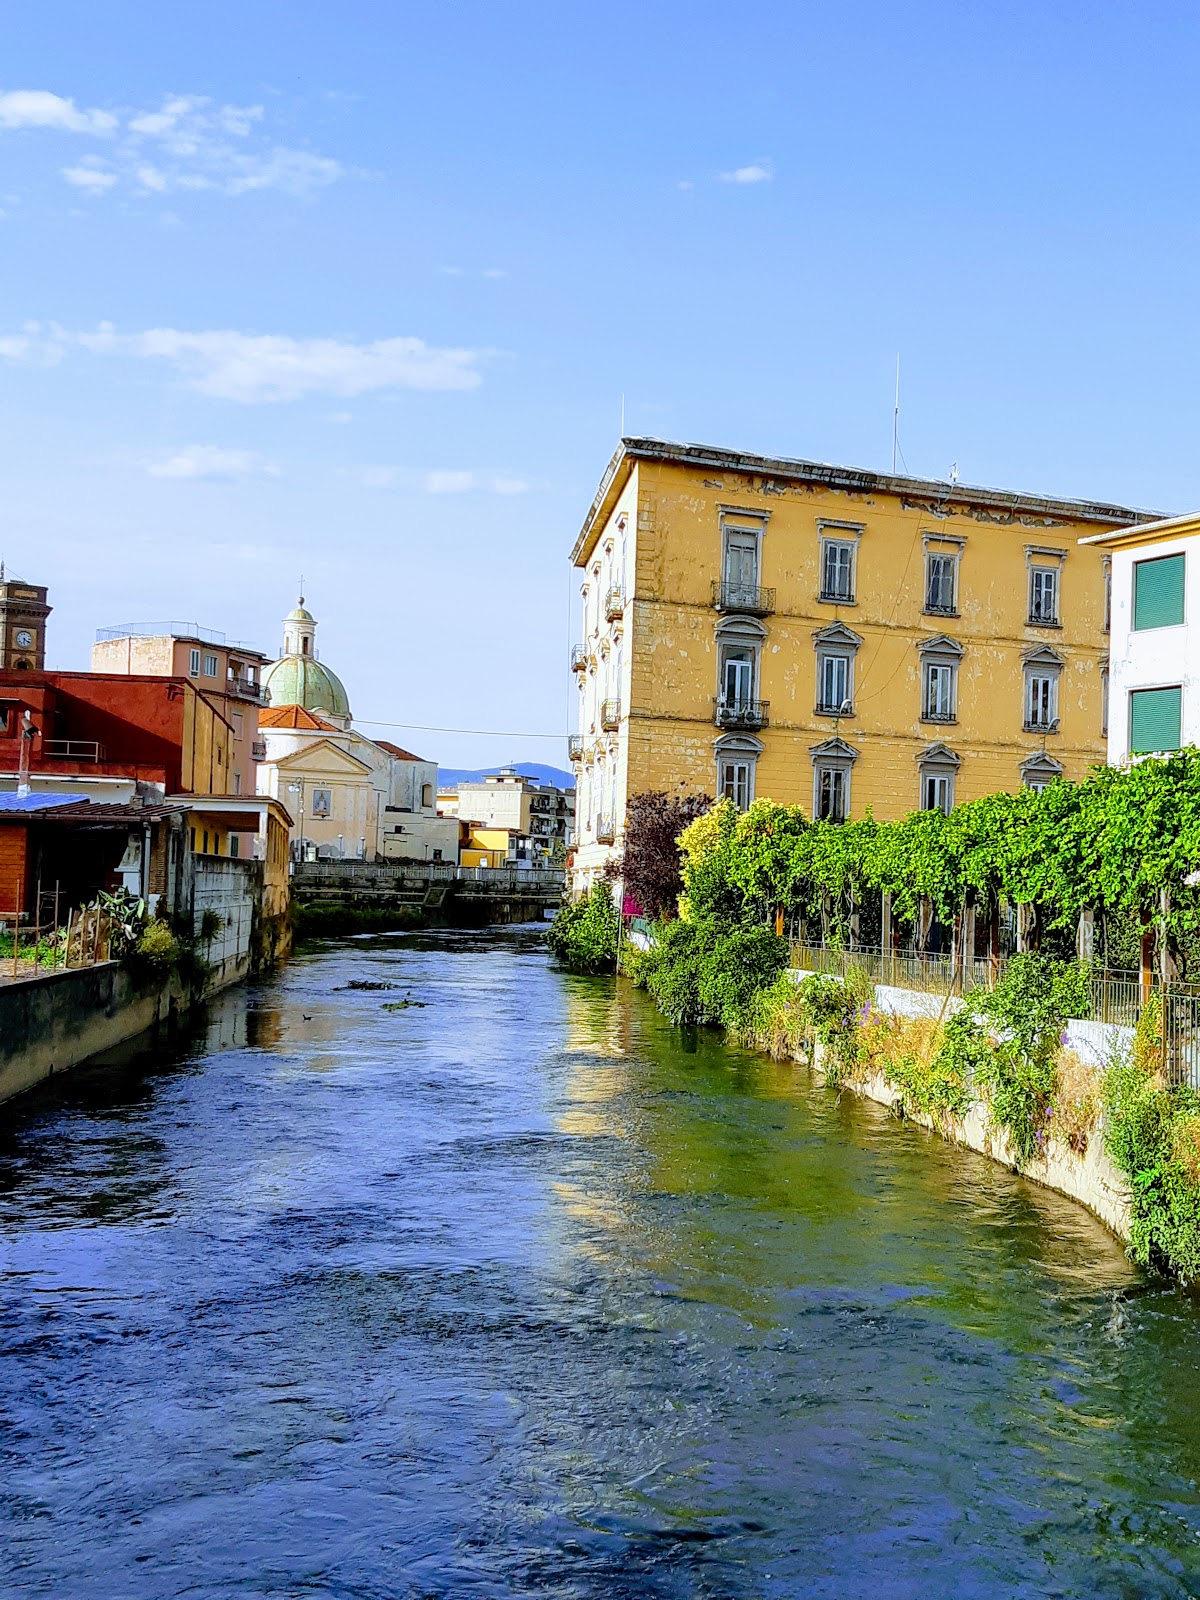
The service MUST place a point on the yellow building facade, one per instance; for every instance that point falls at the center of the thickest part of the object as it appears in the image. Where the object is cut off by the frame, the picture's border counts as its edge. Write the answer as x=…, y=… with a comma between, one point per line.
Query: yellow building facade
x=843, y=640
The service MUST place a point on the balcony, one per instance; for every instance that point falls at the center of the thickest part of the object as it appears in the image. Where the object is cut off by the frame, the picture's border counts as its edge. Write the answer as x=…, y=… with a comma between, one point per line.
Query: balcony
x=1041, y=725
x=606, y=831
x=935, y=608
x=844, y=708
x=931, y=714
x=258, y=750
x=244, y=688
x=747, y=598
x=74, y=749
x=579, y=658
x=741, y=713
x=614, y=605
x=610, y=716
x=575, y=747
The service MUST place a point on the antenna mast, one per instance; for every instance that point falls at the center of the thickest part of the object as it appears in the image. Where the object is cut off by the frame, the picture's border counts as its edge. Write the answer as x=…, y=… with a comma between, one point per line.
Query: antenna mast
x=896, y=417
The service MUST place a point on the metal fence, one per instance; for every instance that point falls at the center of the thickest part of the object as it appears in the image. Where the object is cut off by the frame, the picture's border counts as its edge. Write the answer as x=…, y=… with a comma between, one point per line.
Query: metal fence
x=386, y=873
x=31, y=947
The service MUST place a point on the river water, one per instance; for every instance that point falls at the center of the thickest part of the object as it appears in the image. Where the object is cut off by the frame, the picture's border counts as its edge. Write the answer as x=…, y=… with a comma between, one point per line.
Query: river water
x=518, y=1291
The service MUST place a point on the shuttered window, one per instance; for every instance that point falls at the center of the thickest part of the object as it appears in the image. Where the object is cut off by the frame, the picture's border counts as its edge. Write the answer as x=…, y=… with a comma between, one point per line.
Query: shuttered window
x=1158, y=592
x=1155, y=717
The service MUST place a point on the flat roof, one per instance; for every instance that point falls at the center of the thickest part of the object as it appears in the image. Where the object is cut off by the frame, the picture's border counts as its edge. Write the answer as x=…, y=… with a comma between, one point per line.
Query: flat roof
x=1147, y=532
x=854, y=480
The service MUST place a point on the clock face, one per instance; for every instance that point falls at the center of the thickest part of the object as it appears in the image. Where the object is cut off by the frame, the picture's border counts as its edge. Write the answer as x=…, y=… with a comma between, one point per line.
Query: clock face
x=24, y=638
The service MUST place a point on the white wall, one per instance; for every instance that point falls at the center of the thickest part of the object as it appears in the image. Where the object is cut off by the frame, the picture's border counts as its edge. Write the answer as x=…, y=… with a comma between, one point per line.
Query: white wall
x=1152, y=658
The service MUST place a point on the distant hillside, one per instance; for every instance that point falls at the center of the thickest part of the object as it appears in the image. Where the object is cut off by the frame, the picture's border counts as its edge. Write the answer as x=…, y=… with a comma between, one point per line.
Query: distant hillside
x=528, y=769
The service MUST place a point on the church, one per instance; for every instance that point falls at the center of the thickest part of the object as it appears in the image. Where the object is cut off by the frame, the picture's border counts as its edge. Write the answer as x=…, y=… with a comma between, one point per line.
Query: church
x=351, y=797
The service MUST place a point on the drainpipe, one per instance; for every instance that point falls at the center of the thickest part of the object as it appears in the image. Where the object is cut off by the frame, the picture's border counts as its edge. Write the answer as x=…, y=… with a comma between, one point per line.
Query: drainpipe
x=25, y=754
x=145, y=889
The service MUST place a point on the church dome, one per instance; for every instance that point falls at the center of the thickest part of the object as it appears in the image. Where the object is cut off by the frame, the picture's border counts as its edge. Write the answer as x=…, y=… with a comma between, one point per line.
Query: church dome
x=301, y=681
x=298, y=678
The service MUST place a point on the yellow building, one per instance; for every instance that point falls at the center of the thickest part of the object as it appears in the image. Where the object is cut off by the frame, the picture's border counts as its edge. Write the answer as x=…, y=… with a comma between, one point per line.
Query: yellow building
x=827, y=637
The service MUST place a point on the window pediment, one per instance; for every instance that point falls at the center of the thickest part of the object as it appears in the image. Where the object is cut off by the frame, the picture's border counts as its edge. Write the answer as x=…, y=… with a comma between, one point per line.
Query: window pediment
x=741, y=627
x=1041, y=766
x=832, y=750
x=738, y=744
x=940, y=646
x=1043, y=656
x=938, y=754
x=837, y=636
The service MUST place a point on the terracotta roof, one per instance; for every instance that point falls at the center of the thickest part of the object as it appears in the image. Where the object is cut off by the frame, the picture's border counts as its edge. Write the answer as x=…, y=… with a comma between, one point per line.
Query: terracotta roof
x=395, y=750
x=294, y=717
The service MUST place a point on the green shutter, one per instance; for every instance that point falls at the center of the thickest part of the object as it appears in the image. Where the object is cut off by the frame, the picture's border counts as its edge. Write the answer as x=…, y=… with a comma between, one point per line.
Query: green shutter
x=1158, y=592
x=1154, y=720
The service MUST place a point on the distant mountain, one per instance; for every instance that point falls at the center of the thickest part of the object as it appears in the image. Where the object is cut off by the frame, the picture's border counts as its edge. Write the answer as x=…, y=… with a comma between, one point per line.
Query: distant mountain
x=527, y=769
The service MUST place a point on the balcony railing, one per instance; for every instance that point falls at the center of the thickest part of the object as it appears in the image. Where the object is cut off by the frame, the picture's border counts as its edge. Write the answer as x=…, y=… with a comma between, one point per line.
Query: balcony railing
x=932, y=714
x=747, y=598
x=606, y=831
x=610, y=715
x=258, y=750
x=74, y=749
x=938, y=608
x=579, y=658
x=843, y=708
x=1041, y=724
x=614, y=604
x=741, y=713
x=245, y=688
x=575, y=747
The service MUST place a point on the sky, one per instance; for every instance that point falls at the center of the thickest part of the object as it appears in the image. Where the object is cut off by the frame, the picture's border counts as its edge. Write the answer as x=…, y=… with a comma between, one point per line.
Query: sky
x=358, y=293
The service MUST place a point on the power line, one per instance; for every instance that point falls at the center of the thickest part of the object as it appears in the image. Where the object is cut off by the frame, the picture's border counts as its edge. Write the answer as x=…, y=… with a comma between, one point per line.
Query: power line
x=494, y=733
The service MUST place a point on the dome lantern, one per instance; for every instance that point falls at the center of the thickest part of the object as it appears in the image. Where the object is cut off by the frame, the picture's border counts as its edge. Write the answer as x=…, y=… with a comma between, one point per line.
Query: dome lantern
x=299, y=679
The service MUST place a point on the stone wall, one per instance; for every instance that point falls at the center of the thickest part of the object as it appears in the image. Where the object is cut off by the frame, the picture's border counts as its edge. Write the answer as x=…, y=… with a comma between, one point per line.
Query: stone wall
x=53, y=1022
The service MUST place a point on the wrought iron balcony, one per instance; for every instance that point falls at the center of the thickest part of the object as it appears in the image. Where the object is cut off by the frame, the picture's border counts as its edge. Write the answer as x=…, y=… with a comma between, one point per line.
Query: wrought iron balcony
x=575, y=747
x=1041, y=725
x=610, y=716
x=244, y=688
x=843, y=708
x=740, y=713
x=579, y=658
x=606, y=831
x=747, y=598
x=931, y=714
x=258, y=750
x=614, y=604
x=935, y=608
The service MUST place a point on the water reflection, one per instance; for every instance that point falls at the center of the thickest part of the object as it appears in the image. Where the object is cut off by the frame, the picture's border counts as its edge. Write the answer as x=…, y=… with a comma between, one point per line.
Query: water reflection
x=516, y=1291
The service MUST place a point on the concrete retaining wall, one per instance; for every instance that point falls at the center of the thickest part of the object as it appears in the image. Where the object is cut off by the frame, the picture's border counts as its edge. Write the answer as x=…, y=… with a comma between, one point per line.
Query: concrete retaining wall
x=57, y=1020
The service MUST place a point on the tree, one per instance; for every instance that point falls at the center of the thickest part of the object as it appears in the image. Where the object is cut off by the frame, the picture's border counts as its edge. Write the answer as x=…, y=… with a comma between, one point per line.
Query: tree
x=649, y=865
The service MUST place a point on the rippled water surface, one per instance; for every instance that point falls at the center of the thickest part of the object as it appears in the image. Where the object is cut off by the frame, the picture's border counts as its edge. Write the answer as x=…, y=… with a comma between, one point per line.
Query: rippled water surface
x=519, y=1292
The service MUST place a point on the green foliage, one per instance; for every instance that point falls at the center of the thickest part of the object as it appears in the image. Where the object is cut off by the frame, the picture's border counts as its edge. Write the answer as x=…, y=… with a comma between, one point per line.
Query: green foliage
x=834, y=1010
x=585, y=932
x=157, y=951
x=696, y=973
x=1152, y=1133
x=210, y=925
x=126, y=919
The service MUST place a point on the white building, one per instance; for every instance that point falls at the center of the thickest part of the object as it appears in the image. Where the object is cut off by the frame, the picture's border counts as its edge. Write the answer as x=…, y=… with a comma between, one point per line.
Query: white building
x=1152, y=682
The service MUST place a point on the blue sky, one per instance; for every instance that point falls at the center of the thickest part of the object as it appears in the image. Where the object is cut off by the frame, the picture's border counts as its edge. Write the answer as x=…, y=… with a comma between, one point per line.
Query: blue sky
x=356, y=291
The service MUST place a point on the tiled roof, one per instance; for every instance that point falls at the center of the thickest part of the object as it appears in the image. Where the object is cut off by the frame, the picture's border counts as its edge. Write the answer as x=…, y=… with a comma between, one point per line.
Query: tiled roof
x=294, y=717
x=69, y=808
x=395, y=750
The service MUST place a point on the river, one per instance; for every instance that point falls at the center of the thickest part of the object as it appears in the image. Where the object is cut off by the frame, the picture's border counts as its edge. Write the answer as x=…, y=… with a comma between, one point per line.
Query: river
x=518, y=1291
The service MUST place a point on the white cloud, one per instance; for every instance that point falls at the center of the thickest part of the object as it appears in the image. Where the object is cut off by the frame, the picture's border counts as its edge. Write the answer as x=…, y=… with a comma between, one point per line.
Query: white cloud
x=449, y=482
x=227, y=365
x=190, y=143
x=211, y=461
x=91, y=176
x=756, y=172
x=38, y=108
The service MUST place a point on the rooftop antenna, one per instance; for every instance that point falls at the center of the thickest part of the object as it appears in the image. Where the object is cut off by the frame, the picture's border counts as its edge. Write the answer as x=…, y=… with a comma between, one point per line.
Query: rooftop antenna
x=301, y=588
x=952, y=475
x=622, y=416
x=896, y=417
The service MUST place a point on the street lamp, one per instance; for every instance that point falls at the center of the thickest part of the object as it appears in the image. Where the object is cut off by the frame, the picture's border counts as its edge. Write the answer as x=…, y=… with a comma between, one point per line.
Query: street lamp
x=298, y=788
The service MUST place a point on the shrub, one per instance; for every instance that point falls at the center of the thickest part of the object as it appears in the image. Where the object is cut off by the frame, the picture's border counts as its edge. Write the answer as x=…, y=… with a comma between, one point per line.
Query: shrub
x=1151, y=1135
x=835, y=1009
x=735, y=969
x=584, y=933
x=649, y=865
x=670, y=970
x=158, y=951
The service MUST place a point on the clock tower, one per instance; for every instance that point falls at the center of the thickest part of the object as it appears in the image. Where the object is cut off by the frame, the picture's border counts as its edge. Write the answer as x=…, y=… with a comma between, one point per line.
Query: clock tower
x=23, y=613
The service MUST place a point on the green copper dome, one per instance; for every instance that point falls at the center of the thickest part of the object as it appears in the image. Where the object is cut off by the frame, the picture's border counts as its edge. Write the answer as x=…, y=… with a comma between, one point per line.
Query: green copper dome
x=301, y=681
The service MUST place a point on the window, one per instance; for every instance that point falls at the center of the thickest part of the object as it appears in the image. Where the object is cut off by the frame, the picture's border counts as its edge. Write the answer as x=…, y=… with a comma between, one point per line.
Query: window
x=210, y=666
x=426, y=795
x=194, y=664
x=937, y=791
x=1158, y=592
x=1041, y=703
x=835, y=684
x=832, y=794
x=1155, y=720
x=741, y=561
x=939, y=692
x=237, y=782
x=837, y=570
x=233, y=844
x=735, y=782
x=1043, y=596
x=1104, y=701
x=437, y=855
x=322, y=805
x=205, y=849
x=1108, y=594
x=737, y=676
x=940, y=574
